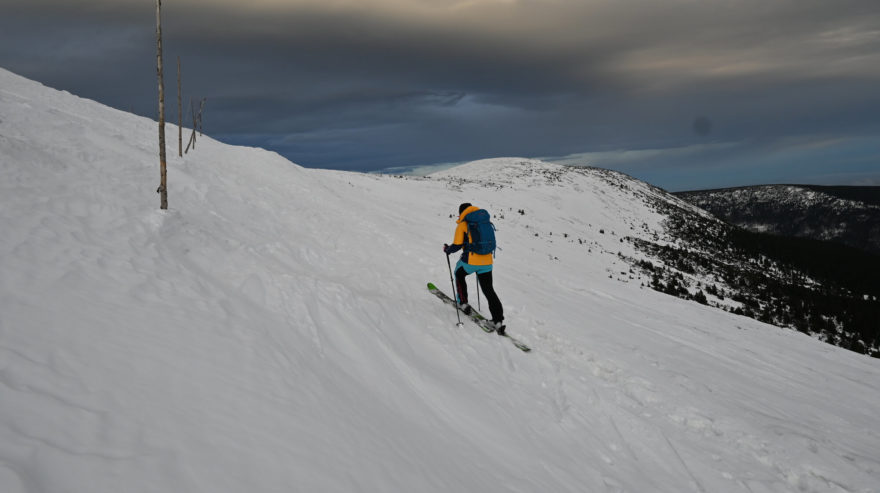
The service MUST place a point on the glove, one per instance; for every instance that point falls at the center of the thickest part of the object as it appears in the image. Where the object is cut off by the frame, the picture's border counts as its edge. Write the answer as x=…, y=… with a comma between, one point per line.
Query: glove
x=450, y=249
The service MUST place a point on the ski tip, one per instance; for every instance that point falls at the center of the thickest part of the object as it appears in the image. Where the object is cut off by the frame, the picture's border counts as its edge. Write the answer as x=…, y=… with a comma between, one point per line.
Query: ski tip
x=431, y=286
x=519, y=344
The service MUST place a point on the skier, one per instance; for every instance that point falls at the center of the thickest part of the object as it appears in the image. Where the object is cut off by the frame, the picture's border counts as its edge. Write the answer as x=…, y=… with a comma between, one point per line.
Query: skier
x=471, y=262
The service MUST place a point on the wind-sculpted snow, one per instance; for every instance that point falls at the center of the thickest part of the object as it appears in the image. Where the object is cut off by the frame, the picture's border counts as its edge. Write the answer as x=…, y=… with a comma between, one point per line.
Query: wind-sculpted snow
x=272, y=332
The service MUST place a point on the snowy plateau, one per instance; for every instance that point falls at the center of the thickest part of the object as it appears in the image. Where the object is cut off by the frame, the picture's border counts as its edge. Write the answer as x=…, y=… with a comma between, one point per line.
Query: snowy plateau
x=271, y=332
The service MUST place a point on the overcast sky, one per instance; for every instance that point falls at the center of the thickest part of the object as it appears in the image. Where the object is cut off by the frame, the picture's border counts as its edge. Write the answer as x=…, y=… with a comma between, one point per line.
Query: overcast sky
x=683, y=93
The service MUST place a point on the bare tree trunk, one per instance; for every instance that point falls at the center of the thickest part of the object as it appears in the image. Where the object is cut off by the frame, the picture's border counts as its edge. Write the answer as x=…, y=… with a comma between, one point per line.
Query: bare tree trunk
x=192, y=108
x=192, y=137
x=163, y=188
x=179, y=114
x=201, y=112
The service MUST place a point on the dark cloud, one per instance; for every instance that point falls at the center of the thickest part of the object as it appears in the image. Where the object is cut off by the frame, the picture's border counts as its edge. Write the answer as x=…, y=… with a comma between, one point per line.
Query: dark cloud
x=702, y=126
x=370, y=84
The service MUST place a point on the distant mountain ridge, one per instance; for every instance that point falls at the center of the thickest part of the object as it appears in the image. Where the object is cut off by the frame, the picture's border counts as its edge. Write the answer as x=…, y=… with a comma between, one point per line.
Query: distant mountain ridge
x=847, y=215
x=867, y=194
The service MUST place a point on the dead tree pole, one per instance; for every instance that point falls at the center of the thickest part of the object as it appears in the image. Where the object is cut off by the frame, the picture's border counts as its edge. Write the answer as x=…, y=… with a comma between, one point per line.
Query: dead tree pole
x=179, y=113
x=192, y=108
x=163, y=185
x=201, y=112
x=192, y=137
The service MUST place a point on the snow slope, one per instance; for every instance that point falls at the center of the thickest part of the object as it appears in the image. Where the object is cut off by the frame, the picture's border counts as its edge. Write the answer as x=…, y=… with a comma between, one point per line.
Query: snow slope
x=272, y=332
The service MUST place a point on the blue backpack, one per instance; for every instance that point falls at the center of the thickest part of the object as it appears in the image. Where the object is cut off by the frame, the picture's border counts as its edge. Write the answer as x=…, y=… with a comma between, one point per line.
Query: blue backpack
x=481, y=233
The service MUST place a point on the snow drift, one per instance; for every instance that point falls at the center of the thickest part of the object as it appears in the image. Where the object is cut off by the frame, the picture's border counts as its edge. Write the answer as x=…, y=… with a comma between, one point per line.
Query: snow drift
x=272, y=332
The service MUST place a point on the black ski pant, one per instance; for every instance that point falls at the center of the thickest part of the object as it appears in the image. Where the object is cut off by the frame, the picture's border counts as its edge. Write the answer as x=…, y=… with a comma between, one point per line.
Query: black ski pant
x=485, y=281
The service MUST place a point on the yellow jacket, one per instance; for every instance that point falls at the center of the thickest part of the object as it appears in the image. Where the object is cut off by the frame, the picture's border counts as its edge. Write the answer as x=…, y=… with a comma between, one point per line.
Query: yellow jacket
x=461, y=236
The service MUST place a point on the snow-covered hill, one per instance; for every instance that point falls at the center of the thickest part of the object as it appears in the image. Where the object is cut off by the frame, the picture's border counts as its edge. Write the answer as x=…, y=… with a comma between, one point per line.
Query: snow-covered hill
x=272, y=332
x=848, y=215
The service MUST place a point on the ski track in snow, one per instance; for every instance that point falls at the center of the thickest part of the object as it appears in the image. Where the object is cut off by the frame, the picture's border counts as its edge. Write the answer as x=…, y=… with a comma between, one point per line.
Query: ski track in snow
x=272, y=332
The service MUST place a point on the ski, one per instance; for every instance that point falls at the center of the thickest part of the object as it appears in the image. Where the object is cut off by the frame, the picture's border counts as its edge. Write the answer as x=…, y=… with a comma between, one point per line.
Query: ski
x=481, y=321
x=474, y=315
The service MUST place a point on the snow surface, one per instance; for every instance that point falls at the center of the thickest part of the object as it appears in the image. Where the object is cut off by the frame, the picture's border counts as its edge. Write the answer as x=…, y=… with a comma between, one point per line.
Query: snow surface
x=272, y=332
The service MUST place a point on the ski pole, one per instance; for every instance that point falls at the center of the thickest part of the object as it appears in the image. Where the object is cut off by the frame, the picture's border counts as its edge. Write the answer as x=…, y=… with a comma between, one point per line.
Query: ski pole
x=454, y=291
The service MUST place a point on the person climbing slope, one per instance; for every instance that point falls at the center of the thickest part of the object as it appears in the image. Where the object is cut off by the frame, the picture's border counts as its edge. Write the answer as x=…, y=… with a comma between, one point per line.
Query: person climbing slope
x=476, y=235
